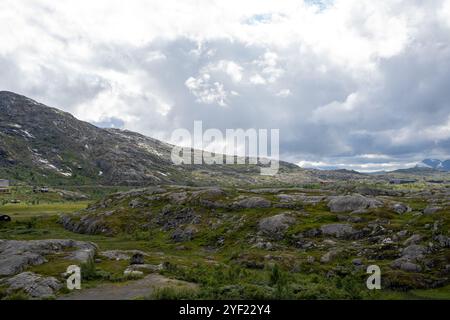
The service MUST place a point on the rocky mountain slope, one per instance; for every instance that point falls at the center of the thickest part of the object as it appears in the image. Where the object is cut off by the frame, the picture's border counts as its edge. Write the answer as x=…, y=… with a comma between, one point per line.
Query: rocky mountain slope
x=39, y=144
x=435, y=164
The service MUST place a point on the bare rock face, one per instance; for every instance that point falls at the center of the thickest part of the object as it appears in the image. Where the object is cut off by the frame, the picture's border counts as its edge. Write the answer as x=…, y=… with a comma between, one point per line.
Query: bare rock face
x=33, y=284
x=252, y=203
x=275, y=226
x=353, y=203
x=15, y=256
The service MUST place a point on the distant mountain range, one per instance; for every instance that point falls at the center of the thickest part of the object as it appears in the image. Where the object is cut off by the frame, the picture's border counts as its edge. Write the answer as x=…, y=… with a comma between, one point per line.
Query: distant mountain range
x=435, y=164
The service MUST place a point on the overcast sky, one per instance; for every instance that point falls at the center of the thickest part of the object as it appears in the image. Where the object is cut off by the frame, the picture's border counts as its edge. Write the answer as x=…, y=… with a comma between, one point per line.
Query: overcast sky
x=359, y=84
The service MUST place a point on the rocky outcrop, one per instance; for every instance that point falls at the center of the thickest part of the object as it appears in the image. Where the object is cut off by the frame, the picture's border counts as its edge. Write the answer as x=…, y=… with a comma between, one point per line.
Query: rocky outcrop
x=15, y=256
x=410, y=258
x=252, y=203
x=337, y=230
x=120, y=254
x=86, y=224
x=275, y=226
x=353, y=203
x=32, y=284
x=183, y=235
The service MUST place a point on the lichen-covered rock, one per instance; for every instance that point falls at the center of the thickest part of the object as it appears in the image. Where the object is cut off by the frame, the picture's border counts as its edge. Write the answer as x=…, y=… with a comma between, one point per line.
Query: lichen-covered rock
x=33, y=284
x=352, y=203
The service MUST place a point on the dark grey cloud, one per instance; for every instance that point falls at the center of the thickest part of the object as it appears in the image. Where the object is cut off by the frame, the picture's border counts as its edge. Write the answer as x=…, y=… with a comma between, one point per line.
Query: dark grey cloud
x=375, y=98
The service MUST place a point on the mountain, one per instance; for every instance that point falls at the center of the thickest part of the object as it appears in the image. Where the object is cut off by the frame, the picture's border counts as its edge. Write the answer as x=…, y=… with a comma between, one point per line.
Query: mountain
x=435, y=164
x=44, y=145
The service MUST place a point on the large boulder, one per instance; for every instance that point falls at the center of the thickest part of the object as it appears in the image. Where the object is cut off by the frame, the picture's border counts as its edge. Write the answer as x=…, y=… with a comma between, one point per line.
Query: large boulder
x=15, y=256
x=400, y=208
x=275, y=226
x=353, y=203
x=33, y=284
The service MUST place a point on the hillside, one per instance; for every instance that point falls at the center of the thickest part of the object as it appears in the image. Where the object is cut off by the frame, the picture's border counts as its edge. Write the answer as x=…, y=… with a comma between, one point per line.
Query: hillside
x=43, y=145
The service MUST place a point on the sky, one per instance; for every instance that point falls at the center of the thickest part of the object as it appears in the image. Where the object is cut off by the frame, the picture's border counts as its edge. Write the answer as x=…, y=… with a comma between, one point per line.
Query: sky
x=356, y=84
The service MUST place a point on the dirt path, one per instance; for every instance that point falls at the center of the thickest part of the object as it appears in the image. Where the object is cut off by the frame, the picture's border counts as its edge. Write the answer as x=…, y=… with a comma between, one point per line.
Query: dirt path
x=128, y=291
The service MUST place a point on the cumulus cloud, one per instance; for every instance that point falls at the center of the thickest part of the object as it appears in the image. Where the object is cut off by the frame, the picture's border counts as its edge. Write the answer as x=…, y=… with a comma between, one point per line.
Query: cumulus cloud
x=358, y=84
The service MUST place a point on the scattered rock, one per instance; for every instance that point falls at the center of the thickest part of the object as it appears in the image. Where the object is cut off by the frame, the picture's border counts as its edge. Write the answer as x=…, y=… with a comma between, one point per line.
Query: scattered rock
x=137, y=258
x=329, y=256
x=414, y=252
x=443, y=241
x=410, y=267
x=133, y=273
x=414, y=239
x=402, y=234
x=5, y=218
x=400, y=208
x=357, y=262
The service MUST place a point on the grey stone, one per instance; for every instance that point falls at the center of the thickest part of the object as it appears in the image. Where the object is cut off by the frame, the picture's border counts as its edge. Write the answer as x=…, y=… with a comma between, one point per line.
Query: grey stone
x=183, y=235
x=414, y=239
x=337, y=230
x=414, y=252
x=275, y=226
x=410, y=267
x=400, y=208
x=357, y=262
x=15, y=256
x=443, y=241
x=352, y=203
x=137, y=258
x=252, y=203
x=431, y=210
x=33, y=284
x=329, y=256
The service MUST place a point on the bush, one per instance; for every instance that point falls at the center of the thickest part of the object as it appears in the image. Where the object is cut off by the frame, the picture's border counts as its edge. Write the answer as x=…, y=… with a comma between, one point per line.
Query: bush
x=172, y=293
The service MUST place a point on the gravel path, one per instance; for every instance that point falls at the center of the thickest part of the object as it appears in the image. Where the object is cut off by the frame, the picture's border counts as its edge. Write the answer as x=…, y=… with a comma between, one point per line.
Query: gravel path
x=128, y=291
